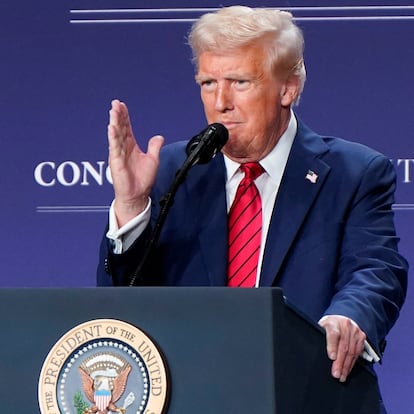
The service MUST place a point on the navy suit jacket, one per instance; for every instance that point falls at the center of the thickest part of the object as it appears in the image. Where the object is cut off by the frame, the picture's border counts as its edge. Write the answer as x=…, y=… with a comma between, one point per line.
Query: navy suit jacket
x=331, y=244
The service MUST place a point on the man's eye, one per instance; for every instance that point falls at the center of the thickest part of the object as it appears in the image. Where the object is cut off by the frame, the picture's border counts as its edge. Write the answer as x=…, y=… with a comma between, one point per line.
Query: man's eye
x=241, y=83
x=207, y=84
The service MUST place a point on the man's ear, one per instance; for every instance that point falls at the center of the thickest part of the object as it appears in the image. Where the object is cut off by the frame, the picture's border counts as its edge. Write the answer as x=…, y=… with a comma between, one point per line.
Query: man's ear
x=290, y=91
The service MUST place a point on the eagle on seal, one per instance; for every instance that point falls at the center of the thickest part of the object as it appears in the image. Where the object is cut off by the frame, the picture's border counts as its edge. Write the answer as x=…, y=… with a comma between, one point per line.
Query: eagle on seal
x=104, y=388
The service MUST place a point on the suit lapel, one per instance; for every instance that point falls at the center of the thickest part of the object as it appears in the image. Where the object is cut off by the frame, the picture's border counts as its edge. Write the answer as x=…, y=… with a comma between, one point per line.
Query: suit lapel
x=302, y=180
x=209, y=182
x=294, y=200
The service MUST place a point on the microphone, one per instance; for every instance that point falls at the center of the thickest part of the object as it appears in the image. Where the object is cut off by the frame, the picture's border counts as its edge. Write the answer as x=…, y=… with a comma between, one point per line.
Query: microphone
x=204, y=146
x=200, y=150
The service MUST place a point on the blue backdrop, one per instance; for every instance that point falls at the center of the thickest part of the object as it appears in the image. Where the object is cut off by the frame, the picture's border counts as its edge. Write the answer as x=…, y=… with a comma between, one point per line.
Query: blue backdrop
x=64, y=61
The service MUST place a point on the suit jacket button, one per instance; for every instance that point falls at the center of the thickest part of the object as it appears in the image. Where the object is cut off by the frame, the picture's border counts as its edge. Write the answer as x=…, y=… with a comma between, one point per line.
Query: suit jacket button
x=106, y=266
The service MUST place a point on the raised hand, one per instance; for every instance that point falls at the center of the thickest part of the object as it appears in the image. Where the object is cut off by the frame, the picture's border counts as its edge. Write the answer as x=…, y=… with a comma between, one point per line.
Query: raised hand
x=133, y=171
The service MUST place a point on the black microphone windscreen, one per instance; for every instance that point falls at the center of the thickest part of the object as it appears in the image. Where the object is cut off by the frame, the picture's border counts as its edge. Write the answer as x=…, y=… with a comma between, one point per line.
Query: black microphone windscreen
x=212, y=140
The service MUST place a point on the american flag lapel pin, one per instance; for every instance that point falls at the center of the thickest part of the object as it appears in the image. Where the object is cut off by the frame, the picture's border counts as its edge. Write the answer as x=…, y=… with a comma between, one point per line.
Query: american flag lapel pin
x=311, y=176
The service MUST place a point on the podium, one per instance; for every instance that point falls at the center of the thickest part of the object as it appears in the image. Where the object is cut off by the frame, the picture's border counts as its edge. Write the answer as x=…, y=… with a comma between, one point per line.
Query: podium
x=227, y=350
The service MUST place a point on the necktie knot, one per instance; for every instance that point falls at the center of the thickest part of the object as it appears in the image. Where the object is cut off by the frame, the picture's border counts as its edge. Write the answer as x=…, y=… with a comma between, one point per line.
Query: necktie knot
x=251, y=170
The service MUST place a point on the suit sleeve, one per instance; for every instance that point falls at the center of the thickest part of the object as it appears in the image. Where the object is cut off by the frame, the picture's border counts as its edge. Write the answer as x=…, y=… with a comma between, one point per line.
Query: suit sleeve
x=372, y=275
x=118, y=269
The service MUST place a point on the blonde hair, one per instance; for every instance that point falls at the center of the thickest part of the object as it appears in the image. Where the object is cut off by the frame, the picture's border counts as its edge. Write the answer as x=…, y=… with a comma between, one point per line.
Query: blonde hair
x=233, y=27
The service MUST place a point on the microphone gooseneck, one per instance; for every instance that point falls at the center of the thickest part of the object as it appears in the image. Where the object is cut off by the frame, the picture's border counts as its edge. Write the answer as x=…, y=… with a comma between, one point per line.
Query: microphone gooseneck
x=200, y=150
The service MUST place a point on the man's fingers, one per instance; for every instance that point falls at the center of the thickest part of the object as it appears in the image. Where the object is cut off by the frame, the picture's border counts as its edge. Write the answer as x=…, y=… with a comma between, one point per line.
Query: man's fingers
x=332, y=338
x=114, y=113
x=344, y=358
x=115, y=144
x=354, y=346
x=154, y=146
x=119, y=117
x=120, y=136
x=344, y=342
x=336, y=348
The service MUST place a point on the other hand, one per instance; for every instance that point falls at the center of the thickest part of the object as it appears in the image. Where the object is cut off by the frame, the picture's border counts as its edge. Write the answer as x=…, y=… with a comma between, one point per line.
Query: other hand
x=344, y=343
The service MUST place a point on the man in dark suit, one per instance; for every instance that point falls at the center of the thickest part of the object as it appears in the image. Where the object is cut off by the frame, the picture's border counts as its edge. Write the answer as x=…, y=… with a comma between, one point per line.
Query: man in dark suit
x=327, y=235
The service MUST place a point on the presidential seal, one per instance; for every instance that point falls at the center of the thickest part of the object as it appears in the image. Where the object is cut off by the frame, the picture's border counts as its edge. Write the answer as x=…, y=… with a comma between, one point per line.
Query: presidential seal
x=103, y=366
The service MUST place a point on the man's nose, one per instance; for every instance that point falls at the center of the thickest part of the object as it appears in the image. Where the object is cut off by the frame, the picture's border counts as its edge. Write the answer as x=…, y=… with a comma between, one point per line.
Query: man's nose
x=223, y=98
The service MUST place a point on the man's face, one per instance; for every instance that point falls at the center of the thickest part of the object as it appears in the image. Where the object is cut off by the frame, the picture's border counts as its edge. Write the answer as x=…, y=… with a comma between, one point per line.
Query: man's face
x=239, y=91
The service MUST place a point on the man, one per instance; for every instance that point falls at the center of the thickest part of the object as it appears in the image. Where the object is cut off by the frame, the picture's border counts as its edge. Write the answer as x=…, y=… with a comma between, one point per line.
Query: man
x=327, y=236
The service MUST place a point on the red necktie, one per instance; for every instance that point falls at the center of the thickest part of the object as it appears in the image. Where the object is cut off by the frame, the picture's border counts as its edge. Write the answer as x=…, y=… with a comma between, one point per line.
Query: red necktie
x=245, y=229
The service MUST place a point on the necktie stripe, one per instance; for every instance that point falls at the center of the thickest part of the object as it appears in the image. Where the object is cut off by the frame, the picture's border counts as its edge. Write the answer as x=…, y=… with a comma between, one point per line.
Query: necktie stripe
x=242, y=260
x=243, y=189
x=245, y=230
x=247, y=280
x=254, y=211
x=246, y=272
x=243, y=242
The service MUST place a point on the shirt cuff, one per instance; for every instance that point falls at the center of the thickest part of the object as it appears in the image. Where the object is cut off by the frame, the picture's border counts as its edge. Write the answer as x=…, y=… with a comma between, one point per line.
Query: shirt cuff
x=123, y=238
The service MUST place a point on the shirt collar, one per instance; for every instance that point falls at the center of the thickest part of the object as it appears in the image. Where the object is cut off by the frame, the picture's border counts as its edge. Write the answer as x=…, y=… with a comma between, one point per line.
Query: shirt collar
x=274, y=163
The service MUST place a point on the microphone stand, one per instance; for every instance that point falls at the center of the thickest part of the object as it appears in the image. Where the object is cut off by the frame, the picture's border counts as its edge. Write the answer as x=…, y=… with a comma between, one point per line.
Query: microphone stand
x=166, y=202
